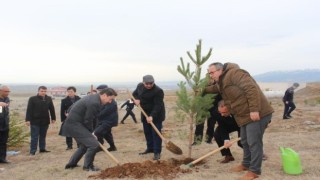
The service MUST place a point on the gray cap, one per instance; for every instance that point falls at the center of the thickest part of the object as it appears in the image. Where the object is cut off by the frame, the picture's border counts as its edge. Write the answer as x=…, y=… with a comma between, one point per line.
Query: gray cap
x=102, y=86
x=296, y=84
x=148, y=79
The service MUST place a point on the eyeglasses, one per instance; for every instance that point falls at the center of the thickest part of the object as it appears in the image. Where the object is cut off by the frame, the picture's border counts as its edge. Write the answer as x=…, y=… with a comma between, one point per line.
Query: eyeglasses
x=212, y=72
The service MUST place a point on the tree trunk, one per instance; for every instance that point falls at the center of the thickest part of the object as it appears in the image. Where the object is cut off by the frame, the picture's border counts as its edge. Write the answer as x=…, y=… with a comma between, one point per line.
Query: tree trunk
x=190, y=136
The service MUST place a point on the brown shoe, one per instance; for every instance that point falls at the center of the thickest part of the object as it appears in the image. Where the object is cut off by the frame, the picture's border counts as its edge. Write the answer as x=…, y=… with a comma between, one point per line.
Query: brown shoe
x=249, y=175
x=239, y=168
x=227, y=159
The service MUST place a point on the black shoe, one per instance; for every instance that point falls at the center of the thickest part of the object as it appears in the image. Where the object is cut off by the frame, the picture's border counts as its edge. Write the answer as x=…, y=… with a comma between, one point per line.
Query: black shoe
x=4, y=161
x=112, y=148
x=195, y=144
x=289, y=116
x=156, y=156
x=32, y=154
x=44, y=151
x=69, y=166
x=122, y=122
x=91, y=168
x=286, y=117
x=69, y=148
x=146, y=152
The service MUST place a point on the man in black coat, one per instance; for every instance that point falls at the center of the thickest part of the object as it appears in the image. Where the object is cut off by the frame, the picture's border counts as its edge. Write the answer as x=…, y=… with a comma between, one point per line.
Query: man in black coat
x=287, y=99
x=4, y=122
x=66, y=103
x=130, y=105
x=150, y=97
x=39, y=110
x=107, y=119
x=79, y=125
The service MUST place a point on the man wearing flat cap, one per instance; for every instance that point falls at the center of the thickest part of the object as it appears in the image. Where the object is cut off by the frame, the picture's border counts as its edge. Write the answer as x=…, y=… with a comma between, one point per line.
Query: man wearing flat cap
x=150, y=97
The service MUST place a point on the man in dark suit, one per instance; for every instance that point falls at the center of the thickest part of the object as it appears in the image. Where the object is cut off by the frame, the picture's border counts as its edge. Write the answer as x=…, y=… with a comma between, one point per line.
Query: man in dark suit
x=287, y=99
x=39, y=110
x=130, y=105
x=107, y=119
x=79, y=125
x=226, y=125
x=66, y=103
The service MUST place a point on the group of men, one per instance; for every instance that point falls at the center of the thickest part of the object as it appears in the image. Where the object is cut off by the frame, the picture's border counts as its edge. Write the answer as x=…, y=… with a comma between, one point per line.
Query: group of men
x=242, y=101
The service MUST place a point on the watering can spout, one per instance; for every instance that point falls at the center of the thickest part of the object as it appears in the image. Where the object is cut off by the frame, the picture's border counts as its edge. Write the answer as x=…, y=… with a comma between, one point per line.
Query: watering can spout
x=282, y=150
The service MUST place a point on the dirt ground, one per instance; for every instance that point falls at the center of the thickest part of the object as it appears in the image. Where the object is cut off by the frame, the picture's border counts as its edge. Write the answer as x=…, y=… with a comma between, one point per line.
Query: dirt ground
x=300, y=133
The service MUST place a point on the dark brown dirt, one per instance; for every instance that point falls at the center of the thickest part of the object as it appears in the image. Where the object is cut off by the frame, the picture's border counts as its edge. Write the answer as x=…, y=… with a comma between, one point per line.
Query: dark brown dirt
x=162, y=169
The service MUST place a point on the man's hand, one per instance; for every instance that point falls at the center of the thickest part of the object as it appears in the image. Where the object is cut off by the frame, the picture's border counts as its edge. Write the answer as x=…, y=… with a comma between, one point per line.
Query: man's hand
x=254, y=116
x=137, y=102
x=149, y=119
x=53, y=121
x=3, y=104
x=227, y=143
x=27, y=123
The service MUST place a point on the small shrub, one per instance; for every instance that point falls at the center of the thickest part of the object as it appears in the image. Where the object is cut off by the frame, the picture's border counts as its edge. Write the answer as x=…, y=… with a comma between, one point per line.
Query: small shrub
x=17, y=133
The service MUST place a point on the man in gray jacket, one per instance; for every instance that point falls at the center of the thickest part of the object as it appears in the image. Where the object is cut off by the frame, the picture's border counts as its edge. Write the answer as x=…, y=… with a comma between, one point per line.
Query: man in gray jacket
x=79, y=125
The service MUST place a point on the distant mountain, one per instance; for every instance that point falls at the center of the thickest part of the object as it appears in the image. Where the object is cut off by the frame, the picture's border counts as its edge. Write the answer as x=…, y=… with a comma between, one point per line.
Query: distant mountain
x=307, y=75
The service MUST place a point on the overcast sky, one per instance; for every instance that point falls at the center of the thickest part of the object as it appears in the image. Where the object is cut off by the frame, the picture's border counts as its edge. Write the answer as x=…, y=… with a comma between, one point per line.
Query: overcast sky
x=75, y=41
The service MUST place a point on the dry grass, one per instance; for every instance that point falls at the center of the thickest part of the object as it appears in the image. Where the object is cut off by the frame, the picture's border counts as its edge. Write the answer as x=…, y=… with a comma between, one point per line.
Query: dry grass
x=295, y=133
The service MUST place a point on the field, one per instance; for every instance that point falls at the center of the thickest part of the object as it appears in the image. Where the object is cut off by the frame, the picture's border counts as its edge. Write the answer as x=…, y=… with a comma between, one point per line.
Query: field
x=300, y=133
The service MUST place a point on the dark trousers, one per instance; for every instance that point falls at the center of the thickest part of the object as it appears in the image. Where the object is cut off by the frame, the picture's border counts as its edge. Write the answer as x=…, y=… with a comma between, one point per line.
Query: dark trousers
x=69, y=142
x=4, y=135
x=88, y=146
x=38, y=133
x=129, y=112
x=222, y=133
x=198, y=134
x=108, y=137
x=154, y=142
x=288, y=108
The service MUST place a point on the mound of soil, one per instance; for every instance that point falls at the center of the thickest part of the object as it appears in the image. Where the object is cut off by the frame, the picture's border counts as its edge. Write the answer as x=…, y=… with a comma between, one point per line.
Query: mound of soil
x=164, y=169
x=310, y=89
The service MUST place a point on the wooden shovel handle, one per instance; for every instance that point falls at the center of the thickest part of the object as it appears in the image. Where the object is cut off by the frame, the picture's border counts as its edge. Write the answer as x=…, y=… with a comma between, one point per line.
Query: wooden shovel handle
x=145, y=114
x=213, y=152
x=109, y=154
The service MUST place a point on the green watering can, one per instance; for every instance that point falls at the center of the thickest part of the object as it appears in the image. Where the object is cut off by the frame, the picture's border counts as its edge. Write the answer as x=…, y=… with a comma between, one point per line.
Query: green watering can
x=290, y=161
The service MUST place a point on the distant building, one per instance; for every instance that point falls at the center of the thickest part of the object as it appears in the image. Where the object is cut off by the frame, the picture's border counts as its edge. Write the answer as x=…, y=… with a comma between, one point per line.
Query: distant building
x=57, y=92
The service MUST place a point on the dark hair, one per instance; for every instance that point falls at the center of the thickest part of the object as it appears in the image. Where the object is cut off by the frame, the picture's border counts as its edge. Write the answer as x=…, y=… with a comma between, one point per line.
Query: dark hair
x=221, y=103
x=72, y=88
x=296, y=84
x=42, y=87
x=108, y=92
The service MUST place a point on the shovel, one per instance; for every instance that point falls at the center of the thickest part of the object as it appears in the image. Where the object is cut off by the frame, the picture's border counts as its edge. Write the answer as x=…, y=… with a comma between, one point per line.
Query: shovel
x=186, y=166
x=169, y=145
x=109, y=154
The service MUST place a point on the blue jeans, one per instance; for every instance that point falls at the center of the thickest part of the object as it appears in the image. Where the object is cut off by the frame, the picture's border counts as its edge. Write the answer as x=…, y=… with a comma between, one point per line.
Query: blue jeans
x=154, y=142
x=38, y=133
